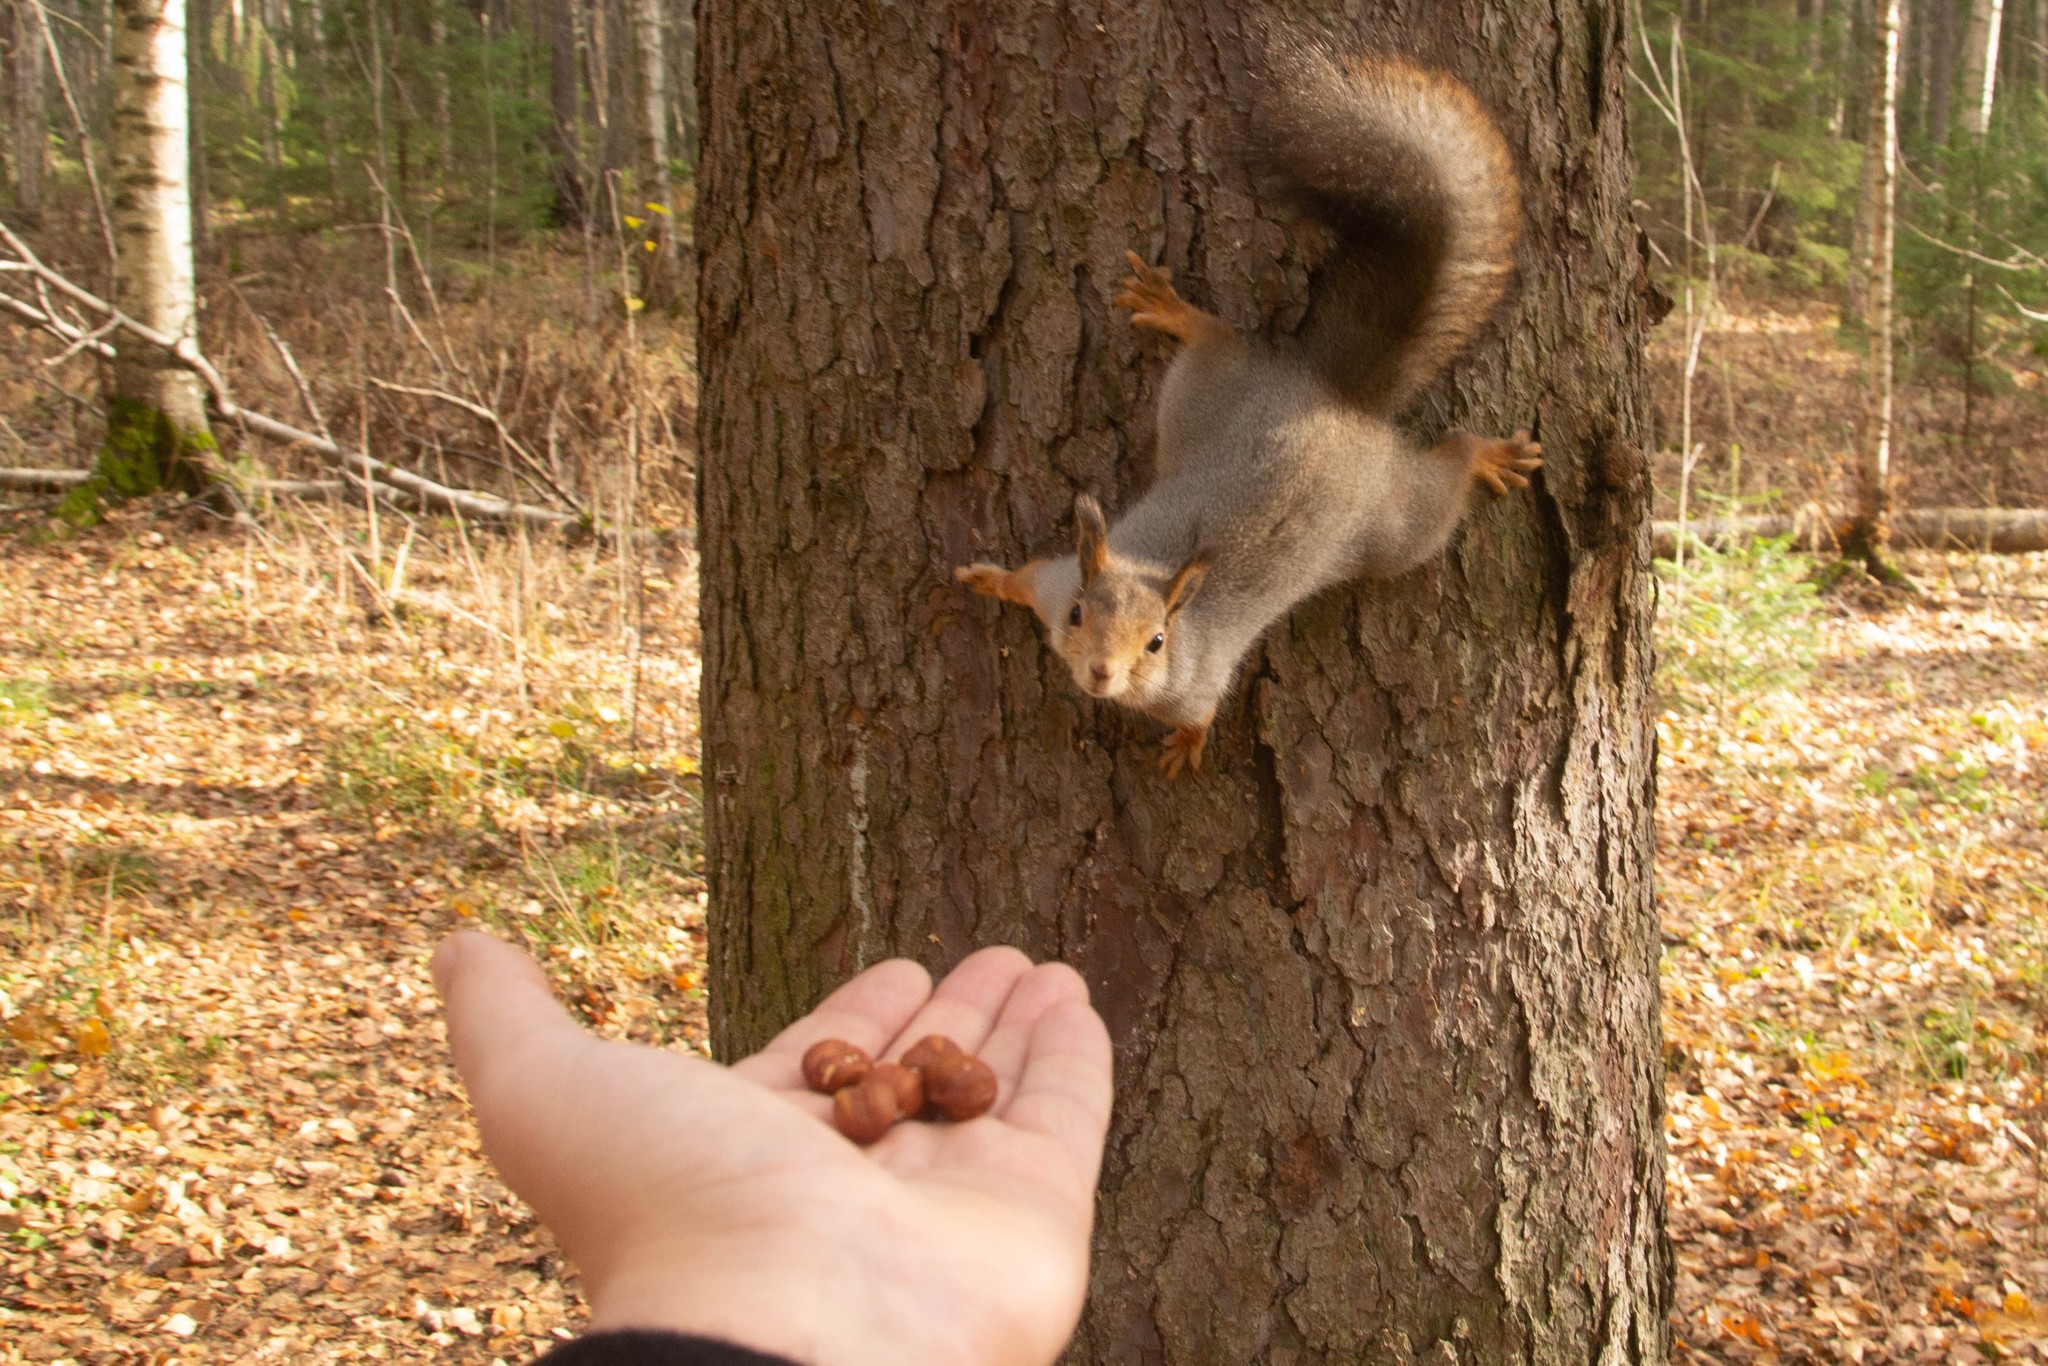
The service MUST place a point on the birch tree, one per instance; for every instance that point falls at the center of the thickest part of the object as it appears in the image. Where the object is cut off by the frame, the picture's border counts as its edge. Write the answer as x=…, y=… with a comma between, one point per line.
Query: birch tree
x=1869, y=527
x=157, y=432
x=660, y=276
x=1980, y=64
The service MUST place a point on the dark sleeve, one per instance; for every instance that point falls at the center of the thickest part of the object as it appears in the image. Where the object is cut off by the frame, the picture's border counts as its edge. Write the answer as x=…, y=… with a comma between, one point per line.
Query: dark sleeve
x=655, y=1349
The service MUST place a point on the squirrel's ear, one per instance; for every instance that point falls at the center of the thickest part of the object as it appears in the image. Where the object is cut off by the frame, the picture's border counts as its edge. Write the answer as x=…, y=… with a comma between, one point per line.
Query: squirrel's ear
x=1091, y=538
x=1181, y=588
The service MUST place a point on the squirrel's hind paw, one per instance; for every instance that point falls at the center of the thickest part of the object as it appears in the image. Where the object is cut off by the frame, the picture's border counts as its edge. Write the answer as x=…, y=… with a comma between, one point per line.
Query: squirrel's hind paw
x=1506, y=465
x=1148, y=292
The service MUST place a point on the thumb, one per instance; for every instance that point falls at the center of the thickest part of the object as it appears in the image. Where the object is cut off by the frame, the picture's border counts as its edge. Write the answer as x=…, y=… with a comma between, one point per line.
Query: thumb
x=503, y=1020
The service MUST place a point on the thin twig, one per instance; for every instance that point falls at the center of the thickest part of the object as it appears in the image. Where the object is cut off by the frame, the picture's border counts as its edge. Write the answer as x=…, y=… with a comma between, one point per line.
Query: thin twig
x=92, y=176
x=535, y=473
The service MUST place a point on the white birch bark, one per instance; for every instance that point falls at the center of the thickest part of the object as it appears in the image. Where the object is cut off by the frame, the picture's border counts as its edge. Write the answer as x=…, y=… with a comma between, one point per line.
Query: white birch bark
x=653, y=83
x=1874, y=481
x=152, y=209
x=1980, y=64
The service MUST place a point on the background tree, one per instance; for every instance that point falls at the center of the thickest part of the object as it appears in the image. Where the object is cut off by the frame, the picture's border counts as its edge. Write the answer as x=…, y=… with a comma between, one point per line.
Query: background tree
x=1383, y=975
x=28, y=114
x=1869, y=527
x=157, y=432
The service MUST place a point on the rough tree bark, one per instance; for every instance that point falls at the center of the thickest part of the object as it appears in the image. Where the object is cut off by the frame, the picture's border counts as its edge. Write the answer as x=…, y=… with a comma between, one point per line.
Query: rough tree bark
x=1980, y=64
x=157, y=433
x=1383, y=974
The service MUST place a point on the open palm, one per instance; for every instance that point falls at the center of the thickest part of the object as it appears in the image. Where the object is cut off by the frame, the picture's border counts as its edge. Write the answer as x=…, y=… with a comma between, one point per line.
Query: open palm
x=720, y=1201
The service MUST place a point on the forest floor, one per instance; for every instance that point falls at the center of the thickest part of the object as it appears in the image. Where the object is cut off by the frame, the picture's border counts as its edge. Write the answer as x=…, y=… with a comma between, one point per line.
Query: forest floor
x=237, y=809
x=238, y=806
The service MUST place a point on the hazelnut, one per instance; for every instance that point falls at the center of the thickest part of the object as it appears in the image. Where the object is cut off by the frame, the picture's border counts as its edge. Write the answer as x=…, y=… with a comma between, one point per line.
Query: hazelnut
x=928, y=1050
x=909, y=1084
x=864, y=1112
x=833, y=1064
x=959, y=1086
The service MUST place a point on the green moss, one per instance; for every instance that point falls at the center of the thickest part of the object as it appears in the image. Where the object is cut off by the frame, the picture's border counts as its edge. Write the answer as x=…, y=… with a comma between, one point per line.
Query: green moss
x=145, y=450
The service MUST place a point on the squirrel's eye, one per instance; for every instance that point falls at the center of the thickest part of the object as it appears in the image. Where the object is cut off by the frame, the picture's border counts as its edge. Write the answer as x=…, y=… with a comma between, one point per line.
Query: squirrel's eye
x=1074, y=617
x=1156, y=643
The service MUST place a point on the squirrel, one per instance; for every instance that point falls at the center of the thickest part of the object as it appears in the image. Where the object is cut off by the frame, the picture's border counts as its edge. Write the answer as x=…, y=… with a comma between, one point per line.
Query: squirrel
x=1280, y=472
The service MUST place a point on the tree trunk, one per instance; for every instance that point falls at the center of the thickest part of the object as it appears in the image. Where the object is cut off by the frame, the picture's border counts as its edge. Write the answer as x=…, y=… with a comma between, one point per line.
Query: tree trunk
x=325, y=89
x=1980, y=64
x=1869, y=526
x=565, y=141
x=1856, y=279
x=157, y=432
x=444, y=98
x=31, y=113
x=660, y=267
x=1382, y=975
x=1941, y=46
x=196, y=55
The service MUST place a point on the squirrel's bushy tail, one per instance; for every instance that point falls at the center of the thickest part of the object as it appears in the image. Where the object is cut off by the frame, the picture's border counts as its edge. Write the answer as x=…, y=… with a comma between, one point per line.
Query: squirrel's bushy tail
x=1418, y=190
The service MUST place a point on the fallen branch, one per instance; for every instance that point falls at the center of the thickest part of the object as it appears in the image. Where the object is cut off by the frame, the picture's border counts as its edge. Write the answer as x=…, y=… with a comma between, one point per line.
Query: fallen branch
x=487, y=506
x=58, y=481
x=42, y=481
x=1999, y=531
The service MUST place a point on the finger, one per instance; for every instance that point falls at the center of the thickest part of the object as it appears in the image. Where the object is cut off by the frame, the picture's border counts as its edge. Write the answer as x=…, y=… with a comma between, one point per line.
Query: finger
x=1137, y=261
x=868, y=1012
x=501, y=1014
x=1066, y=1087
x=1045, y=987
x=965, y=1005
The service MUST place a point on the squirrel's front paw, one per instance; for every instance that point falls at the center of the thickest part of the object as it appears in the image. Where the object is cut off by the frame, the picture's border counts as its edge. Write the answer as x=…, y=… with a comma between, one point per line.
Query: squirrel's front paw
x=1184, y=746
x=989, y=580
x=1506, y=465
x=994, y=581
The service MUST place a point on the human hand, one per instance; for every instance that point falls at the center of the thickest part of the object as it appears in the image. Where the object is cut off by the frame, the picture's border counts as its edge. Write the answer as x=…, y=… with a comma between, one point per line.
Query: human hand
x=695, y=1198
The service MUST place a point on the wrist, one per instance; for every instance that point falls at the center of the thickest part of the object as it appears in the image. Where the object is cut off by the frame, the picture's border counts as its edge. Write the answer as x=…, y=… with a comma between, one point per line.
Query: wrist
x=813, y=1308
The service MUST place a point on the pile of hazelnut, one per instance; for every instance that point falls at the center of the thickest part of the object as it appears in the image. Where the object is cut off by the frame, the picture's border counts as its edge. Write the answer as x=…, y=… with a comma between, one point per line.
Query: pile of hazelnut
x=937, y=1079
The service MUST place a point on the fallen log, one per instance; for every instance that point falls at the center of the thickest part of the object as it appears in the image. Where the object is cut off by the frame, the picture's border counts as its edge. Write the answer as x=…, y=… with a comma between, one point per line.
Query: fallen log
x=1998, y=531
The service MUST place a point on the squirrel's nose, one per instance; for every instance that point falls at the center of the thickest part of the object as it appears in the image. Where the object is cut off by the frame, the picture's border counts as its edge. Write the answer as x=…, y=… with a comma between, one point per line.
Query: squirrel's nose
x=1100, y=672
